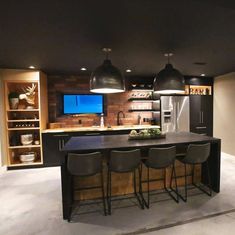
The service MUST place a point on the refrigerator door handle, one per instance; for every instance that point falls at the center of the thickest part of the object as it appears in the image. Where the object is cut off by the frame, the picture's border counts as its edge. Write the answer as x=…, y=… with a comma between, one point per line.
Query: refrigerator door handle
x=202, y=117
x=177, y=114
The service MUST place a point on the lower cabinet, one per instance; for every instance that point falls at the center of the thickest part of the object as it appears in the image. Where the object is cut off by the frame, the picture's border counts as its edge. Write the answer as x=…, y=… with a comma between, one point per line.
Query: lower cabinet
x=54, y=142
x=52, y=145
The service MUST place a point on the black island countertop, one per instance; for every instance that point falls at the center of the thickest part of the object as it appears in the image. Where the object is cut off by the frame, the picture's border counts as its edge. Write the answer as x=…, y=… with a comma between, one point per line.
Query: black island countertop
x=105, y=142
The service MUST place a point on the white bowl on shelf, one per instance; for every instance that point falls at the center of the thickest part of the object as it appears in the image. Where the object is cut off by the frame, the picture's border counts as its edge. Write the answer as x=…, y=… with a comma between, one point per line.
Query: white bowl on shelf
x=27, y=157
x=26, y=139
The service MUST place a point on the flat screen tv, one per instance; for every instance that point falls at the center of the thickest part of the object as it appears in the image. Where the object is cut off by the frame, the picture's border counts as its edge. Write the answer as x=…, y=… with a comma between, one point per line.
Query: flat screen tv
x=83, y=103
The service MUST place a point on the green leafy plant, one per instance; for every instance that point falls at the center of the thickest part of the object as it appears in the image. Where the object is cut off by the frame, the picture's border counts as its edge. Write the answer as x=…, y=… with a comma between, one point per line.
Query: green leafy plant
x=13, y=95
x=146, y=133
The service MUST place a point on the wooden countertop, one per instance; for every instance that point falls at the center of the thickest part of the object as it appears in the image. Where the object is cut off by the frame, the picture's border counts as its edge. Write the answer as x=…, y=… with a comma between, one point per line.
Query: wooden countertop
x=105, y=142
x=112, y=128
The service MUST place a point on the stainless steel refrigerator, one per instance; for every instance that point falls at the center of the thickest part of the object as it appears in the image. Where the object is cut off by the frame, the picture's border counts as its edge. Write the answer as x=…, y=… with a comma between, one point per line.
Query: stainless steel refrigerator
x=175, y=113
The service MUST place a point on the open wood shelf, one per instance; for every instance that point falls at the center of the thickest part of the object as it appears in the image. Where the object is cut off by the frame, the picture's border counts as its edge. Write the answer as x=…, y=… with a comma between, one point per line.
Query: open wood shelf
x=21, y=119
x=141, y=89
x=19, y=163
x=141, y=110
x=198, y=90
x=23, y=128
x=141, y=99
x=24, y=120
x=22, y=110
x=25, y=146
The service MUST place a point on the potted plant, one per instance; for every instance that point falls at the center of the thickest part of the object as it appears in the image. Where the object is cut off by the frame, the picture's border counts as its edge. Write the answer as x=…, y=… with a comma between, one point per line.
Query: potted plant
x=13, y=100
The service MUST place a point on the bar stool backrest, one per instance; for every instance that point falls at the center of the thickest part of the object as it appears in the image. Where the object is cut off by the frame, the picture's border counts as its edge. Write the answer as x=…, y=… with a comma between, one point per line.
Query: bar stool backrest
x=197, y=153
x=84, y=164
x=161, y=157
x=124, y=161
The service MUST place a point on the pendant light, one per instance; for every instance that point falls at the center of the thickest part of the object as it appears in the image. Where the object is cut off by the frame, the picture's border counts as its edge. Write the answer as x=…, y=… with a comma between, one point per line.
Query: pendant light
x=169, y=80
x=107, y=78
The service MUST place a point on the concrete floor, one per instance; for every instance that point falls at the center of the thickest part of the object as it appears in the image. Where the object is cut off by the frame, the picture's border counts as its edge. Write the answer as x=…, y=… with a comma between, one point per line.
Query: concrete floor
x=30, y=203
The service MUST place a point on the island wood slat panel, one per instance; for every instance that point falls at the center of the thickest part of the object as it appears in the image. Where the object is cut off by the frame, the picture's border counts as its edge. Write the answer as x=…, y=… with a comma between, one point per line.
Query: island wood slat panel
x=122, y=183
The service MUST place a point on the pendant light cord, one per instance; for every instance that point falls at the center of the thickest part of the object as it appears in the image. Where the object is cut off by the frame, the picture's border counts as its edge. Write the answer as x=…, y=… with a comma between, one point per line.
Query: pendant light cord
x=168, y=55
x=106, y=51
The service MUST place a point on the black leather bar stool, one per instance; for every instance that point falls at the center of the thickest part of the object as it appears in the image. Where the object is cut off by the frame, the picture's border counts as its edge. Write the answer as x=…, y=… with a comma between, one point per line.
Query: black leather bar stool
x=124, y=162
x=161, y=159
x=196, y=154
x=85, y=165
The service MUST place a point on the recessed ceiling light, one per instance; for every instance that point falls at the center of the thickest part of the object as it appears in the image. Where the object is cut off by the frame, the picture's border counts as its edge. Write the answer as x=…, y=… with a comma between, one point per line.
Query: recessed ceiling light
x=31, y=67
x=203, y=74
x=128, y=70
x=83, y=69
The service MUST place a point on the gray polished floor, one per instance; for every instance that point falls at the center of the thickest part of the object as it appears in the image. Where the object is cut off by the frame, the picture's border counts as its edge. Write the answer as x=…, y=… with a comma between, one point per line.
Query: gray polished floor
x=30, y=203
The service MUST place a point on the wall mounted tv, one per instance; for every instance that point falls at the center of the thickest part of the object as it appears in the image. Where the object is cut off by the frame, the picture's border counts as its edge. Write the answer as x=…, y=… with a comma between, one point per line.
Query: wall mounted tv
x=83, y=104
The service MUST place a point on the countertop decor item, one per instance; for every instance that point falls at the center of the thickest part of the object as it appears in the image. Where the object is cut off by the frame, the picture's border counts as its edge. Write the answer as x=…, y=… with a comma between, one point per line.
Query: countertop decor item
x=107, y=78
x=145, y=134
x=26, y=139
x=169, y=80
x=27, y=157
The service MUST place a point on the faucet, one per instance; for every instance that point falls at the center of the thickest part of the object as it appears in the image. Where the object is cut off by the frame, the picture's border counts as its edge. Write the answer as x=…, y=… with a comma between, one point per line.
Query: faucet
x=118, y=117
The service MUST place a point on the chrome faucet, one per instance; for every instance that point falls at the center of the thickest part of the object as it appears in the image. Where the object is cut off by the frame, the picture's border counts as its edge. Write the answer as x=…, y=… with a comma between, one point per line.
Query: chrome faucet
x=118, y=117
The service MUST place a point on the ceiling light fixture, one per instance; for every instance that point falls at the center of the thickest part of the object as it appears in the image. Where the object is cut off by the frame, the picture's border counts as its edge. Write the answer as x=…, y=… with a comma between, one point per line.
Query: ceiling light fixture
x=83, y=69
x=128, y=70
x=203, y=74
x=31, y=67
x=107, y=78
x=169, y=80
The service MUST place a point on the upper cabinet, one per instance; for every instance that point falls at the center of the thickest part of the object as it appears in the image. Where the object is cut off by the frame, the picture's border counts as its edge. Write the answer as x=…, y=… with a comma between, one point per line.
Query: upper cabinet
x=26, y=113
x=200, y=91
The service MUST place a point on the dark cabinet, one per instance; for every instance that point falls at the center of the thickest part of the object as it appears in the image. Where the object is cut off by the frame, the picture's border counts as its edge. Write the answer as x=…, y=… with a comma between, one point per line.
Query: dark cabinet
x=54, y=142
x=52, y=145
x=201, y=114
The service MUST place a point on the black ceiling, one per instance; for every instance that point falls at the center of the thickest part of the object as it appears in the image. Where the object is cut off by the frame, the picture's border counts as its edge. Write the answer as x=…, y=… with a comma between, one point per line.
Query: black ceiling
x=63, y=36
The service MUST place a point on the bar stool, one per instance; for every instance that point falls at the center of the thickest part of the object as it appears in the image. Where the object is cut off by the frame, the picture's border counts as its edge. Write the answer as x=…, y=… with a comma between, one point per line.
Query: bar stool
x=161, y=159
x=196, y=154
x=85, y=165
x=124, y=162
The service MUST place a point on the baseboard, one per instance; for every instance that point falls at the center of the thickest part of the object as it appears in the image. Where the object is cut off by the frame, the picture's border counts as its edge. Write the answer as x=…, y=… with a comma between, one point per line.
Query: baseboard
x=3, y=169
x=227, y=154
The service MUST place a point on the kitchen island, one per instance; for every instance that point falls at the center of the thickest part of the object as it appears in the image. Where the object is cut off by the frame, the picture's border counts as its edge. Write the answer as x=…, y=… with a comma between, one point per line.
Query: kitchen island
x=54, y=139
x=106, y=143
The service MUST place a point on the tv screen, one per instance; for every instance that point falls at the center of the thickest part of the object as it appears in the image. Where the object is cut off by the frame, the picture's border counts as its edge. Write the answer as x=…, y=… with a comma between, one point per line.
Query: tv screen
x=80, y=103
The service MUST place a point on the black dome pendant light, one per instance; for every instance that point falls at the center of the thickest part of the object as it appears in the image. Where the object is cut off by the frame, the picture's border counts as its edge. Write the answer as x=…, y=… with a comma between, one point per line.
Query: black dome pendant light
x=169, y=80
x=107, y=78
